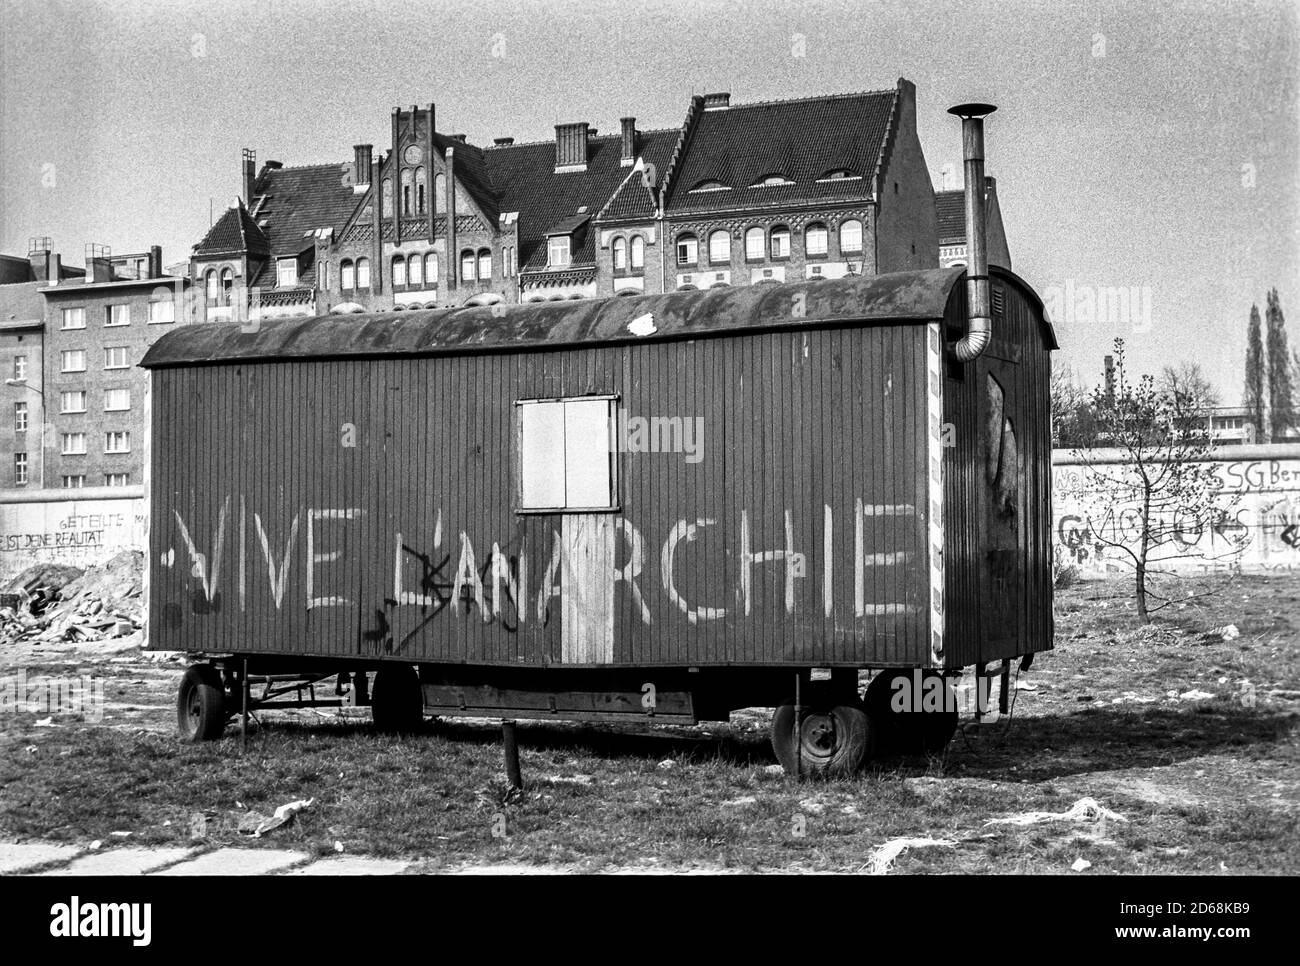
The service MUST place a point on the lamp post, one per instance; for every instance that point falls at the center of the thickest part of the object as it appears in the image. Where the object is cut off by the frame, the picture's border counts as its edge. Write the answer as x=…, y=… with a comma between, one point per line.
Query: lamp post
x=23, y=384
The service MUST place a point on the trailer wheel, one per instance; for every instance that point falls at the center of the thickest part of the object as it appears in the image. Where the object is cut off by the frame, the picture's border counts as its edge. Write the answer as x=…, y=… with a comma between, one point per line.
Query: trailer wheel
x=910, y=732
x=397, y=701
x=201, y=704
x=833, y=739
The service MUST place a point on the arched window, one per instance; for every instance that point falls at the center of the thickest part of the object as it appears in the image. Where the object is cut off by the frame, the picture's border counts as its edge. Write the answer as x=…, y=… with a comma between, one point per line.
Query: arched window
x=347, y=275
x=386, y=197
x=720, y=247
x=620, y=254
x=638, y=253
x=363, y=273
x=755, y=245
x=780, y=241
x=406, y=191
x=467, y=266
x=227, y=284
x=399, y=271
x=814, y=240
x=415, y=271
x=431, y=269
x=484, y=265
x=850, y=236
x=440, y=194
x=419, y=191
x=210, y=286
x=688, y=249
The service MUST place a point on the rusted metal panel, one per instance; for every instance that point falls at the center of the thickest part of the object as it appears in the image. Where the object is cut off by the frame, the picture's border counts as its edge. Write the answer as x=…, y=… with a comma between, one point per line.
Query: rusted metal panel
x=901, y=296
x=998, y=591
x=358, y=504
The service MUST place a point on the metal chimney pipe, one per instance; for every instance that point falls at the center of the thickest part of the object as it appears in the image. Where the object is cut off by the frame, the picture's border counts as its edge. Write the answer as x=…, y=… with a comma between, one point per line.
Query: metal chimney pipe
x=979, y=305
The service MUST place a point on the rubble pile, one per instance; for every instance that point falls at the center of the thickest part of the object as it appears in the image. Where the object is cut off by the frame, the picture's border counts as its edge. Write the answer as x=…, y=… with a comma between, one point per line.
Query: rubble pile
x=48, y=603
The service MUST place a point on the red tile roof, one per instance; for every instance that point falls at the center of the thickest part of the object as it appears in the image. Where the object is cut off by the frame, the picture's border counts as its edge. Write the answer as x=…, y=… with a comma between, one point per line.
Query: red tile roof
x=803, y=140
x=234, y=232
x=950, y=207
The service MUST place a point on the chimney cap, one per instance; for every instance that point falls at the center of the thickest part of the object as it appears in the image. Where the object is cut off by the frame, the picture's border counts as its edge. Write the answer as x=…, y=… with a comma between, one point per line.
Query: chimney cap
x=717, y=101
x=971, y=110
x=503, y=142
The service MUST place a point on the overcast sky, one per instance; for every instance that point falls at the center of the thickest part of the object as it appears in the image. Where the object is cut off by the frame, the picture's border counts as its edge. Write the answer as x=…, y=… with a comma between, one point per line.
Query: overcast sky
x=1146, y=146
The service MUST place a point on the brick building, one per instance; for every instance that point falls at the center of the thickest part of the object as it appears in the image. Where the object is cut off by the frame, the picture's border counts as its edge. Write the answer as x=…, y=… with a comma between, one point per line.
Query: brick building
x=950, y=208
x=97, y=327
x=737, y=194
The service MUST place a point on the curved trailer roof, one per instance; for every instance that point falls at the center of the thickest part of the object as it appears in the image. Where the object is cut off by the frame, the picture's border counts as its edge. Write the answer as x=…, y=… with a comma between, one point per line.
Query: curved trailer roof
x=900, y=297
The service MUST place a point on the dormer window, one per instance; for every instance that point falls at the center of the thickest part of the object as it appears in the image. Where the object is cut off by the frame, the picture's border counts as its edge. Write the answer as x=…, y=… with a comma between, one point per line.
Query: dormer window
x=557, y=251
x=710, y=185
x=840, y=174
x=771, y=181
x=286, y=272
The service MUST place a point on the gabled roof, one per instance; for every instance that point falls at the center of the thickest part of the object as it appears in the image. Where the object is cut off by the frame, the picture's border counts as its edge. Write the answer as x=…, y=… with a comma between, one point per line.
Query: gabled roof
x=471, y=170
x=950, y=207
x=804, y=140
x=632, y=200
x=235, y=232
x=525, y=181
x=294, y=201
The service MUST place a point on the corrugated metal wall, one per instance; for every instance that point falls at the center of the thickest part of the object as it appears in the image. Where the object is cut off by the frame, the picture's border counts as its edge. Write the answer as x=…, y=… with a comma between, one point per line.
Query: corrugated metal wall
x=998, y=586
x=271, y=533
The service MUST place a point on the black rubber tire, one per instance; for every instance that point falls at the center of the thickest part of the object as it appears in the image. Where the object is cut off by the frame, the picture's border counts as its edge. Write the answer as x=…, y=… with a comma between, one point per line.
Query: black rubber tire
x=835, y=738
x=201, y=704
x=917, y=732
x=397, y=701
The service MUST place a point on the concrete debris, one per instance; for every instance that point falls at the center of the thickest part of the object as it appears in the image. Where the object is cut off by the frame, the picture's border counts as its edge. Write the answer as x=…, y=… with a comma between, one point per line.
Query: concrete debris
x=1085, y=809
x=256, y=824
x=1080, y=864
x=1228, y=632
x=48, y=603
x=882, y=859
x=1195, y=695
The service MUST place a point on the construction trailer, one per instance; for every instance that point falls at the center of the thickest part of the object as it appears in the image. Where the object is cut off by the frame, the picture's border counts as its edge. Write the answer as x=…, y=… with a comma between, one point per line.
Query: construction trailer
x=660, y=507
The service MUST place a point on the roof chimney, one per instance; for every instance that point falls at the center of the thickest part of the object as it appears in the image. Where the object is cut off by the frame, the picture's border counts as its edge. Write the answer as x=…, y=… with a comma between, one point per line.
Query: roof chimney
x=250, y=174
x=571, y=146
x=361, y=156
x=717, y=102
x=979, y=307
x=99, y=263
x=629, y=140
x=155, y=261
x=38, y=255
x=502, y=142
x=459, y=137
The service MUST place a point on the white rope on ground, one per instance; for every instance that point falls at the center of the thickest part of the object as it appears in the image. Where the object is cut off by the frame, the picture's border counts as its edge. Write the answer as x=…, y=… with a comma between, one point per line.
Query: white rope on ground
x=882, y=859
x=1085, y=809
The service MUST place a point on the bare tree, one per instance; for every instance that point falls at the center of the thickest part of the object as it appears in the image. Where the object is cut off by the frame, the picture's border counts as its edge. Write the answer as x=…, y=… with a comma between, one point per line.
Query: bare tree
x=1160, y=489
x=1189, y=389
x=1073, y=422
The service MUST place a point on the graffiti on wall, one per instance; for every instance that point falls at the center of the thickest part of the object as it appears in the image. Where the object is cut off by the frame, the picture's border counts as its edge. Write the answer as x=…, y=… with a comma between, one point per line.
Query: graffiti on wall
x=1258, y=530
x=78, y=532
x=300, y=560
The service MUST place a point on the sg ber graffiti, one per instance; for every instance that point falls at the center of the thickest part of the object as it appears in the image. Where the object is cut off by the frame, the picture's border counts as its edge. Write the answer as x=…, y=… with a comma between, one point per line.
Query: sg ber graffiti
x=486, y=578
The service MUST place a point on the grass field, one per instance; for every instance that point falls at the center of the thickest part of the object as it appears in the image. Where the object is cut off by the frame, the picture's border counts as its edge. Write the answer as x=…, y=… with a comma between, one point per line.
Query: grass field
x=1203, y=784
